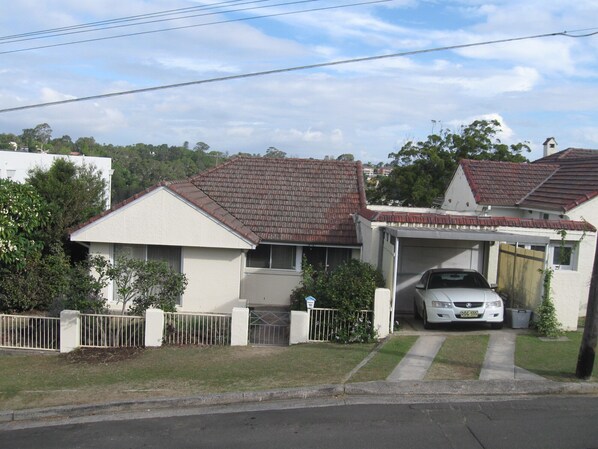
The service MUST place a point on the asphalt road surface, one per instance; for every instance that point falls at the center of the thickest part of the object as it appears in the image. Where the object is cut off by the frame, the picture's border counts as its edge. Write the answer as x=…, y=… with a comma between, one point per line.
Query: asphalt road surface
x=543, y=423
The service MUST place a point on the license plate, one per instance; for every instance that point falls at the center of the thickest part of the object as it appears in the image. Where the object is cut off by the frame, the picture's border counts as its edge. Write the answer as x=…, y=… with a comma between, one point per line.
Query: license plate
x=469, y=314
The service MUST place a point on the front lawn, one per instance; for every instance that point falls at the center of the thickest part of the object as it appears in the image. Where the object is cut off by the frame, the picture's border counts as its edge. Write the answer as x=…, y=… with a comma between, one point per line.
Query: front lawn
x=94, y=376
x=460, y=358
x=556, y=360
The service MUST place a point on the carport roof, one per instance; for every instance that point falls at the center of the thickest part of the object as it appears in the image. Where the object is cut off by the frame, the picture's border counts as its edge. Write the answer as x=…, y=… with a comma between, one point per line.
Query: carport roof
x=465, y=234
x=470, y=221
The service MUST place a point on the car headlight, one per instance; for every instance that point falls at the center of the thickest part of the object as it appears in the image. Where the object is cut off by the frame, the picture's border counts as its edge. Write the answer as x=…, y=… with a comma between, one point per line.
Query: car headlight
x=494, y=303
x=441, y=305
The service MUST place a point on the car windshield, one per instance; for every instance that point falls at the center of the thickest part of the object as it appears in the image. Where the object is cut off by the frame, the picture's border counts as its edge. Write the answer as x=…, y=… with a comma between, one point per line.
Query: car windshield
x=457, y=279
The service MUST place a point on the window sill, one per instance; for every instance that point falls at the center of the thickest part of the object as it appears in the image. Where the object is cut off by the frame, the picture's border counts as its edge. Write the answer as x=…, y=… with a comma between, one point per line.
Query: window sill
x=273, y=271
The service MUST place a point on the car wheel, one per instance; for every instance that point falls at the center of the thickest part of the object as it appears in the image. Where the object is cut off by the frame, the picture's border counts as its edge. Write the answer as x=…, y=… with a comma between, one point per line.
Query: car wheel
x=496, y=325
x=427, y=324
x=416, y=313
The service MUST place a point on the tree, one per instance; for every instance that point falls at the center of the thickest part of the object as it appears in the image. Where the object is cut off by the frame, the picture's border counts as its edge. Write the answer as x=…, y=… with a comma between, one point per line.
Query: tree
x=346, y=157
x=201, y=147
x=143, y=284
x=422, y=170
x=37, y=137
x=275, y=153
x=72, y=194
x=22, y=216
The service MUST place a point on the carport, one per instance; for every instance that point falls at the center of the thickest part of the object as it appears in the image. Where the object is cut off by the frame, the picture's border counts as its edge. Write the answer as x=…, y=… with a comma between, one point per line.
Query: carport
x=406, y=252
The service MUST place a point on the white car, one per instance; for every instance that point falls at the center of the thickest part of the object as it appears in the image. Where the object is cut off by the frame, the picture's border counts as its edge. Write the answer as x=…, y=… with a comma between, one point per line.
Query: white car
x=456, y=295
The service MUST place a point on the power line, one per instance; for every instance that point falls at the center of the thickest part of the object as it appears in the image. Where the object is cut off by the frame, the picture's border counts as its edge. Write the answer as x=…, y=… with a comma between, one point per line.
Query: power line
x=110, y=26
x=126, y=19
x=219, y=22
x=293, y=69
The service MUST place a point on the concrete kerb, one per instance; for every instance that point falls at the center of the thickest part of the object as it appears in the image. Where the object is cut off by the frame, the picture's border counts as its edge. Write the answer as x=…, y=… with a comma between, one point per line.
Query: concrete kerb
x=405, y=389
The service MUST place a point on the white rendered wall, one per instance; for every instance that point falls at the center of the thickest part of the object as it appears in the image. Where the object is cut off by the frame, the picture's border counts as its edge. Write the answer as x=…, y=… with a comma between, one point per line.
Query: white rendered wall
x=269, y=287
x=458, y=195
x=160, y=218
x=214, y=277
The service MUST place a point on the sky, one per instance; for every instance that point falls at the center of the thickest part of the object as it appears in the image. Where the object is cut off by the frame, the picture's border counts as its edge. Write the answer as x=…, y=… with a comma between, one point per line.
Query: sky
x=536, y=88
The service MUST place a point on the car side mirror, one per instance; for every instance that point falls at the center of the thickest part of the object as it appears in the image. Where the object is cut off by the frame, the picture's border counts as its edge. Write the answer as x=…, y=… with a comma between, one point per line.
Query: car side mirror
x=493, y=286
x=420, y=286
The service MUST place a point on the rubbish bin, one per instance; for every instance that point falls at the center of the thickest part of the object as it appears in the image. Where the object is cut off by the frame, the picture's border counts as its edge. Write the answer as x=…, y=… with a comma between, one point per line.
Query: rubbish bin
x=518, y=318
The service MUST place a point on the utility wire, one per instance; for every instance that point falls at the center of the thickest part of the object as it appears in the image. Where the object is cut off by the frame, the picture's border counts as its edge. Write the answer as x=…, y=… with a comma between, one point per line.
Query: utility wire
x=188, y=16
x=219, y=22
x=293, y=69
x=128, y=18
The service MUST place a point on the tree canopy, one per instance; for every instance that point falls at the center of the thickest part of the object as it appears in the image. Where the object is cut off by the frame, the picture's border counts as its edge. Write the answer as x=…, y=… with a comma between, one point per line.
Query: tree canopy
x=72, y=194
x=422, y=170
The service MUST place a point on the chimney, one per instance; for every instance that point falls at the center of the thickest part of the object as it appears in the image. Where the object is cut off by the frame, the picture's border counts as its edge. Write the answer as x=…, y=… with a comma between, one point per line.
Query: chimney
x=550, y=146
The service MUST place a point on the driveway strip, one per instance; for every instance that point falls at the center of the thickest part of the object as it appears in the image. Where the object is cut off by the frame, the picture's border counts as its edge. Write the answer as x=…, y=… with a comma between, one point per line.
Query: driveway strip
x=499, y=363
x=417, y=361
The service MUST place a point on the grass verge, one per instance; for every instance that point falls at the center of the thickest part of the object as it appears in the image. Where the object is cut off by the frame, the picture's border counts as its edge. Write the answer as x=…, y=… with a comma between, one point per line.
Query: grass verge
x=555, y=360
x=460, y=358
x=34, y=380
x=385, y=360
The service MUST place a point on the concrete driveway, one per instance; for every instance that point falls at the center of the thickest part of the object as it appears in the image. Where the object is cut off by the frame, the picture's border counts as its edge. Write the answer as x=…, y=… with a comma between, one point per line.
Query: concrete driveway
x=499, y=363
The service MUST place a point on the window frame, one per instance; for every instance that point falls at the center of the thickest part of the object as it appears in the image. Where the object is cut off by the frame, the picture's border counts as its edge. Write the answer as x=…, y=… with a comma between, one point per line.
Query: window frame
x=295, y=265
x=573, y=255
x=299, y=253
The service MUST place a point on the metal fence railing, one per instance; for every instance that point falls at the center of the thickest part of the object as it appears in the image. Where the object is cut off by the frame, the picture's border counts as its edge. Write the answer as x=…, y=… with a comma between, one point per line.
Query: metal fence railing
x=324, y=324
x=112, y=331
x=197, y=329
x=30, y=332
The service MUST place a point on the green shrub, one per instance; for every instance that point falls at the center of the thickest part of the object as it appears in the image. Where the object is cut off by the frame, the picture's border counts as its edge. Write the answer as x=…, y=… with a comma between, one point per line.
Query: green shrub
x=349, y=288
x=547, y=324
x=51, y=284
x=143, y=284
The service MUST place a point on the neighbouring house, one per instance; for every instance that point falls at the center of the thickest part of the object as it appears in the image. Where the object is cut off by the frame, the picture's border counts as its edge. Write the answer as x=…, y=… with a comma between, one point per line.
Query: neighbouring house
x=239, y=230
x=560, y=186
x=15, y=165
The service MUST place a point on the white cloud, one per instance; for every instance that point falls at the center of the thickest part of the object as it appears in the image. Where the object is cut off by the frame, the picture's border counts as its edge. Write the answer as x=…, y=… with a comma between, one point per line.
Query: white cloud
x=539, y=87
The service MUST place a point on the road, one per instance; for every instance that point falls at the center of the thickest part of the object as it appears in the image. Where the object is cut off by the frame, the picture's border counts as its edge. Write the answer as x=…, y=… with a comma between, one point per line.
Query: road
x=543, y=423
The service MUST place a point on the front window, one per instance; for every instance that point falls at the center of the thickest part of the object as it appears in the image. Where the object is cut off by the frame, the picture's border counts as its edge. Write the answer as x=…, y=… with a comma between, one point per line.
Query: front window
x=326, y=258
x=563, y=256
x=169, y=254
x=281, y=257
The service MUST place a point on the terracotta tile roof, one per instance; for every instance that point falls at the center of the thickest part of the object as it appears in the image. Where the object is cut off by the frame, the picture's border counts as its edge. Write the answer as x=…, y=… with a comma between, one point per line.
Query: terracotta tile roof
x=504, y=183
x=558, y=182
x=198, y=198
x=431, y=219
x=575, y=181
x=569, y=153
x=289, y=200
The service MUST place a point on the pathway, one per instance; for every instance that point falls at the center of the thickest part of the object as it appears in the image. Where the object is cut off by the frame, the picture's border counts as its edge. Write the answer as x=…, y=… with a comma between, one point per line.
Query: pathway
x=499, y=362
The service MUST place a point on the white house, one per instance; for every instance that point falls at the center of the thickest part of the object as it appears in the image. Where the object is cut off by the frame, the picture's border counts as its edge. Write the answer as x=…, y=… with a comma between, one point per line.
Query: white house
x=15, y=165
x=239, y=230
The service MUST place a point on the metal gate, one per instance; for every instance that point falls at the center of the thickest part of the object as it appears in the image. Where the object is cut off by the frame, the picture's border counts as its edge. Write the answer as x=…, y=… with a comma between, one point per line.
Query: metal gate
x=269, y=327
